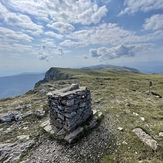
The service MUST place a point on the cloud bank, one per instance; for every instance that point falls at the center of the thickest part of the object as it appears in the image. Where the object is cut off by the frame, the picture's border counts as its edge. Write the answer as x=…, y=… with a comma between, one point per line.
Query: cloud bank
x=132, y=6
x=104, y=53
x=154, y=23
x=79, y=27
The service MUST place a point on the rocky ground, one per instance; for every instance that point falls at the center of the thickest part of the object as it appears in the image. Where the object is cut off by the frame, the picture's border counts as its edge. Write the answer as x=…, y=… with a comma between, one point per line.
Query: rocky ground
x=131, y=131
x=88, y=149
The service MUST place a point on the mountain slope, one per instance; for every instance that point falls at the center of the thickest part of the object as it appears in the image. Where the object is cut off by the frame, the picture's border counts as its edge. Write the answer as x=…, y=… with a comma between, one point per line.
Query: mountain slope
x=125, y=102
x=52, y=74
x=113, y=68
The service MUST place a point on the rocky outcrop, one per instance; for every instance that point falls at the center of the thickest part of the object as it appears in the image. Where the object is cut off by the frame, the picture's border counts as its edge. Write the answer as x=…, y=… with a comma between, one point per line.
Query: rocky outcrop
x=145, y=138
x=12, y=116
x=52, y=74
x=20, y=114
x=11, y=152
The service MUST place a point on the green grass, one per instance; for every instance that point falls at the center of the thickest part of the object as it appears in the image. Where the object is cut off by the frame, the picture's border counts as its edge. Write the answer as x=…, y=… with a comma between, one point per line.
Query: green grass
x=117, y=95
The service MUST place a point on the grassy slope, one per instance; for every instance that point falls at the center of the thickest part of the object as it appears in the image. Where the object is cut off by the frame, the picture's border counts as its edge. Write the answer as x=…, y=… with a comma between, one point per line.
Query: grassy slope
x=117, y=96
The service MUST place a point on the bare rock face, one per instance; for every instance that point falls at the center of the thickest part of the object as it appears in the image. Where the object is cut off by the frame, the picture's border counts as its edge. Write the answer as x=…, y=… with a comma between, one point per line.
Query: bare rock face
x=53, y=74
x=160, y=134
x=12, y=116
x=145, y=138
x=11, y=152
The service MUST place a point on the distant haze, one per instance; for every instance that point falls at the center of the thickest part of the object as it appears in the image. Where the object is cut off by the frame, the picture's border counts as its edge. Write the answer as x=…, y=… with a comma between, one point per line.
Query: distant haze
x=147, y=67
x=18, y=84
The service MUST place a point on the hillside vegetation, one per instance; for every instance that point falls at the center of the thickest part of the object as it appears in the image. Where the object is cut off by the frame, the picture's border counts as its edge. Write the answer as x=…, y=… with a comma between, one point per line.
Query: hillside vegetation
x=123, y=98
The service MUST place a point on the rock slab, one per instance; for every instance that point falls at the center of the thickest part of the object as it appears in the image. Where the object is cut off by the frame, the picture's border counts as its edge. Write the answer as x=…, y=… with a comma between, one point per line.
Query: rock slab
x=145, y=138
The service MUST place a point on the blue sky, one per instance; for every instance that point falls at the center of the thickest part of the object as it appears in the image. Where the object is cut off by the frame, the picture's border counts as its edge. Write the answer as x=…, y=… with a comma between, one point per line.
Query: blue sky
x=38, y=34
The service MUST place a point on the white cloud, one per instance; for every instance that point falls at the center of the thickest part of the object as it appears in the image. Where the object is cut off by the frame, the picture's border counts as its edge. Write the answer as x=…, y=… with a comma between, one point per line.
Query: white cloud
x=71, y=11
x=48, y=43
x=3, y=11
x=92, y=15
x=105, y=1
x=93, y=53
x=154, y=23
x=22, y=21
x=60, y=50
x=103, y=34
x=21, y=48
x=133, y=6
x=97, y=16
x=111, y=34
x=15, y=47
x=124, y=50
x=43, y=56
x=8, y=35
x=61, y=27
x=68, y=11
x=104, y=53
x=137, y=38
x=34, y=8
x=71, y=24
x=85, y=56
x=83, y=18
x=82, y=35
x=47, y=53
x=69, y=43
x=55, y=35
x=62, y=16
x=19, y=20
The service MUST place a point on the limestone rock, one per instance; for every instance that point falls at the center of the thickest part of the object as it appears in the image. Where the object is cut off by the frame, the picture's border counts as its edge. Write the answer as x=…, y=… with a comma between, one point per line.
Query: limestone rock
x=28, y=113
x=49, y=129
x=120, y=128
x=52, y=74
x=100, y=115
x=94, y=112
x=23, y=137
x=142, y=118
x=161, y=134
x=19, y=108
x=70, y=137
x=45, y=123
x=145, y=138
x=135, y=114
x=40, y=112
x=12, y=116
x=11, y=152
x=124, y=143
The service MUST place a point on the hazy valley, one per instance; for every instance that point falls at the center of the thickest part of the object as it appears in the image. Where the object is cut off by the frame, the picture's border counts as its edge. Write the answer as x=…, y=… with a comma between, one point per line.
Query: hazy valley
x=18, y=84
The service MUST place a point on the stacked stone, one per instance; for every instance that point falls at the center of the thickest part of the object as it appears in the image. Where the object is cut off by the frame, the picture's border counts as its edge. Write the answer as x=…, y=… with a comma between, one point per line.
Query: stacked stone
x=69, y=107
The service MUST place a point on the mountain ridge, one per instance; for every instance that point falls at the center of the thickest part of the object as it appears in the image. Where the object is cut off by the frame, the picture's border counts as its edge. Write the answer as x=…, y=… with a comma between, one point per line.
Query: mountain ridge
x=123, y=99
x=113, y=67
x=18, y=84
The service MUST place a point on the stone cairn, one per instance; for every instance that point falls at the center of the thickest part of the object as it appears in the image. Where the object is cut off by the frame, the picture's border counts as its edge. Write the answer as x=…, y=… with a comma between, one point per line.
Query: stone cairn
x=69, y=108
